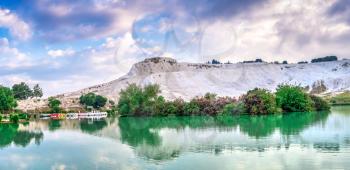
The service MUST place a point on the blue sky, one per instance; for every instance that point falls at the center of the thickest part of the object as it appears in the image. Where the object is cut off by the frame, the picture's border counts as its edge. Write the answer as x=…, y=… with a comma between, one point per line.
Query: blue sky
x=67, y=45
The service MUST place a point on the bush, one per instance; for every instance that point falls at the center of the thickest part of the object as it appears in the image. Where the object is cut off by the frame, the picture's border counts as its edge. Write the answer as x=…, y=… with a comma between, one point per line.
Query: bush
x=54, y=105
x=293, y=99
x=211, y=105
x=320, y=104
x=14, y=118
x=259, y=101
x=180, y=105
x=324, y=59
x=23, y=116
x=233, y=109
x=191, y=108
x=0, y=117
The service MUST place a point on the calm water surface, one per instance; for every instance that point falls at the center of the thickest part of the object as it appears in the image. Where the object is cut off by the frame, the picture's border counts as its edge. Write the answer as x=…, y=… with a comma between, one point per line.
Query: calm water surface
x=293, y=141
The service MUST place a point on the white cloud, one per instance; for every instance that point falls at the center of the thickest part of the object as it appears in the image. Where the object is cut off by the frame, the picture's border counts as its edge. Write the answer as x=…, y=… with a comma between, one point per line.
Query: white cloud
x=17, y=27
x=11, y=57
x=61, y=53
x=279, y=30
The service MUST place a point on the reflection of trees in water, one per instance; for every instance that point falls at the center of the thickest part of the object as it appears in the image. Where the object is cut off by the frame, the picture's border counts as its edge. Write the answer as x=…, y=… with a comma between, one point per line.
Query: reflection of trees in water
x=288, y=124
x=137, y=130
x=9, y=134
x=92, y=126
x=142, y=132
x=54, y=125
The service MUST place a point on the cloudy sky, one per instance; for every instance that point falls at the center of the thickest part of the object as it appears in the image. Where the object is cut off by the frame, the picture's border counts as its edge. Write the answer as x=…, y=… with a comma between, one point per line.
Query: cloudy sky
x=66, y=45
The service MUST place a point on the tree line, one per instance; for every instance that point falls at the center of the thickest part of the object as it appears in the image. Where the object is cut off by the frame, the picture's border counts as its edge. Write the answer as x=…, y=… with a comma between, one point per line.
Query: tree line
x=146, y=101
x=258, y=60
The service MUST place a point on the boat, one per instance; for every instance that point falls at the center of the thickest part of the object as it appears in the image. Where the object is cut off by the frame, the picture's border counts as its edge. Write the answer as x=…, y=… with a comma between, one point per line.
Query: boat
x=72, y=116
x=92, y=115
x=58, y=116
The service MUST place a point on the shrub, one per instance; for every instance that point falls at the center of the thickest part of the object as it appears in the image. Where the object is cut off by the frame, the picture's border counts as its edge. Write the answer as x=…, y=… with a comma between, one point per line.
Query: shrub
x=233, y=109
x=191, y=108
x=23, y=116
x=170, y=109
x=319, y=103
x=0, y=117
x=259, y=101
x=293, y=99
x=211, y=105
x=14, y=118
x=179, y=104
x=324, y=59
x=210, y=96
x=54, y=105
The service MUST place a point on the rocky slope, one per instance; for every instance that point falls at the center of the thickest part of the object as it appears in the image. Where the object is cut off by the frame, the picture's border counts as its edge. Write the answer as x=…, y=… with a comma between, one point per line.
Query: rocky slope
x=187, y=80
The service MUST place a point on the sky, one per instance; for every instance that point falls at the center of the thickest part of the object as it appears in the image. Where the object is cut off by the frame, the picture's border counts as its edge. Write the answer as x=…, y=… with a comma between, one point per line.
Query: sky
x=67, y=45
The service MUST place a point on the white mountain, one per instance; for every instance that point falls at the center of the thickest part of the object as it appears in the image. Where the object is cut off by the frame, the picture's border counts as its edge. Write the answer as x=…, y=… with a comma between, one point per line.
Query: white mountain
x=187, y=80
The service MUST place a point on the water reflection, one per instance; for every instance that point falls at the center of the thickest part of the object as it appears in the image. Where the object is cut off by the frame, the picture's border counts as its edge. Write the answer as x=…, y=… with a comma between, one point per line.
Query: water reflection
x=10, y=133
x=90, y=126
x=136, y=131
x=164, y=138
x=148, y=142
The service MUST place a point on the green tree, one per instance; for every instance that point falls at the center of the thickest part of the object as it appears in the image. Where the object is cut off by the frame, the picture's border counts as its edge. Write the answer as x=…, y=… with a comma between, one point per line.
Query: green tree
x=91, y=99
x=260, y=101
x=22, y=91
x=135, y=100
x=293, y=99
x=54, y=105
x=7, y=100
x=37, y=91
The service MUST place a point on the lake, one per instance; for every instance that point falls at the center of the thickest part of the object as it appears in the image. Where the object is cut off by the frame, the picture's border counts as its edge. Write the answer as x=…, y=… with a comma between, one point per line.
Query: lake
x=318, y=140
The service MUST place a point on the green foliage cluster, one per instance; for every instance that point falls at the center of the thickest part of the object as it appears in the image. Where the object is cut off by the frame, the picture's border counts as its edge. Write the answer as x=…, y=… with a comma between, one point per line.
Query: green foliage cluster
x=54, y=105
x=91, y=99
x=319, y=104
x=191, y=108
x=7, y=100
x=293, y=99
x=22, y=91
x=14, y=118
x=135, y=100
x=138, y=101
x=233, y=109
x=259, y=101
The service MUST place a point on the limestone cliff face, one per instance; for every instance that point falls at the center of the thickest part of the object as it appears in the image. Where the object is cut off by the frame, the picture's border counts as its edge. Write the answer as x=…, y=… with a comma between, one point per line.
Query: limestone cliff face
x=187, y=80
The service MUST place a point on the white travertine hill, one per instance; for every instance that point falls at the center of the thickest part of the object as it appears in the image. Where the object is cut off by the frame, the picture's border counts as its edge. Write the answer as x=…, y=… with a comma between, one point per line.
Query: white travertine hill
x=187, y=80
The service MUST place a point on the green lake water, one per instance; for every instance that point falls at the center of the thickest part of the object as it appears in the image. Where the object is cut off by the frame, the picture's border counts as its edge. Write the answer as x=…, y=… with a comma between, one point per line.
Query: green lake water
x=294, y=141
